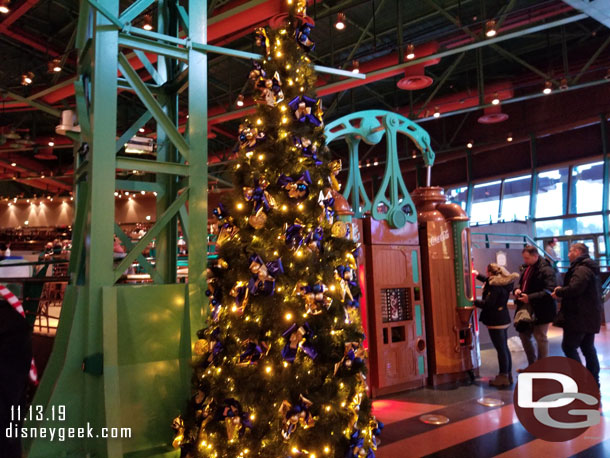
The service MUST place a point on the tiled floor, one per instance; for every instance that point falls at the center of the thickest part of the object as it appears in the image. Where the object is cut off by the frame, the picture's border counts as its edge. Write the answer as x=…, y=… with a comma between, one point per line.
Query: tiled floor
x=476, y=431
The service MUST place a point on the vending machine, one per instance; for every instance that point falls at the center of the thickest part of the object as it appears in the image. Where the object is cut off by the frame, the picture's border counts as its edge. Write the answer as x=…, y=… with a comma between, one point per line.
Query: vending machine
x=448, y=293
x=395, y=315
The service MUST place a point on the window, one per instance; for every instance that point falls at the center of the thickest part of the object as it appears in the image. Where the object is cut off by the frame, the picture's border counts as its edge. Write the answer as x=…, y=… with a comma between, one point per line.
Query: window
x=552, y=193
x=485, y=202
x=570, y=226
x=458, y=196
x=516, y=198
x=587, y=188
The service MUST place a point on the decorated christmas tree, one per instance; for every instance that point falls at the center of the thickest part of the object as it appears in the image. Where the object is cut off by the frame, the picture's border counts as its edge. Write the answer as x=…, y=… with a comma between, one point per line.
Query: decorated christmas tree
x=280, y=369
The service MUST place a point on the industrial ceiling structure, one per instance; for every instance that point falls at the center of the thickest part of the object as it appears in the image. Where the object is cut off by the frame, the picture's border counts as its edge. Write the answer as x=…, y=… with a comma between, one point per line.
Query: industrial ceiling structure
x=483, y=77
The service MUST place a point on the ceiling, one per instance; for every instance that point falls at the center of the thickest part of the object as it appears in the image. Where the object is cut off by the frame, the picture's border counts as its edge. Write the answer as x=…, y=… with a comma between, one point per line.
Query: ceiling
x=377, y=35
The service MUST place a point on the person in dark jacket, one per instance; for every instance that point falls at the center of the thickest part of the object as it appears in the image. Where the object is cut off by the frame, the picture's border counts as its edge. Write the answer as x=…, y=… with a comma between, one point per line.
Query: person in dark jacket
x=536, y=285
x=494, y=315
x=15, y=357
x=581, y=305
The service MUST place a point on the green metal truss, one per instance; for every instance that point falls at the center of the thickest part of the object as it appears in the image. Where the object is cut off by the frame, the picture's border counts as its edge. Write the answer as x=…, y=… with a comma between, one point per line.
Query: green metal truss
x=121, y=357
x=371, y=126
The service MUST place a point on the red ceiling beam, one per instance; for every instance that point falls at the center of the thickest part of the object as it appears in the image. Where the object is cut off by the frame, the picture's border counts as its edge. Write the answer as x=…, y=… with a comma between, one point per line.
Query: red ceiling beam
x=47, y=183
x=15, y=14
x=20, y=35
x=230, y=24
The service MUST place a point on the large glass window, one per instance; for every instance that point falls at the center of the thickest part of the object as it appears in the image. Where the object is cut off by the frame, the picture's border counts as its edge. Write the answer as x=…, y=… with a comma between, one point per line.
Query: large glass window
x=458, y=196
x=570, y=226
x=587, y=188
x=516, y=198
x=552, y=193
x=485, y=202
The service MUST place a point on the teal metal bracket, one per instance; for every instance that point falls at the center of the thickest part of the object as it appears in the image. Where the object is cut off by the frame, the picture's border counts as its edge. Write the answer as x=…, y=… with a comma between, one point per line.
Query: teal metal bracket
x=396, y=208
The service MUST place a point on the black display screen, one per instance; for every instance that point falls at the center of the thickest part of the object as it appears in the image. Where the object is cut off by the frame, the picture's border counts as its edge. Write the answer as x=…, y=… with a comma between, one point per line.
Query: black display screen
x=396, y=305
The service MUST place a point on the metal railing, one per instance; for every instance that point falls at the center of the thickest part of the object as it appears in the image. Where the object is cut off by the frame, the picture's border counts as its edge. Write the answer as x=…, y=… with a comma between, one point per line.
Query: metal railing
x=519, y=239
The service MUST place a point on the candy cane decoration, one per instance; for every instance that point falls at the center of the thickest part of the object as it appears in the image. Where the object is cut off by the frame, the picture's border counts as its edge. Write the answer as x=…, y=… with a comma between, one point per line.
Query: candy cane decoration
x=16, y=304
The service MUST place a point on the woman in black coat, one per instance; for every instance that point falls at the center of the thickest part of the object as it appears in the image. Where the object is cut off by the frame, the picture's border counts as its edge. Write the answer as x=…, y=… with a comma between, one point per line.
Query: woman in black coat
x=494, y=314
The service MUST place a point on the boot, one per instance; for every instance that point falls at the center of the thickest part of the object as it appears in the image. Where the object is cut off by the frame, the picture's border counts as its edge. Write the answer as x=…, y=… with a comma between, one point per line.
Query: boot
x=501, y=381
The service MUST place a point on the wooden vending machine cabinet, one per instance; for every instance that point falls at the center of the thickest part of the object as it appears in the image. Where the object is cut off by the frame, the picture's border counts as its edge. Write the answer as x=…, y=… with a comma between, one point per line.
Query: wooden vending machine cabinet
x=451, y=327
x=397, y=336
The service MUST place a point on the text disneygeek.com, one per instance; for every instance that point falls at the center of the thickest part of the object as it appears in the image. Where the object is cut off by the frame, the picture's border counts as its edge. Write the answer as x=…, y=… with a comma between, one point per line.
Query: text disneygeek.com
x=61, y=433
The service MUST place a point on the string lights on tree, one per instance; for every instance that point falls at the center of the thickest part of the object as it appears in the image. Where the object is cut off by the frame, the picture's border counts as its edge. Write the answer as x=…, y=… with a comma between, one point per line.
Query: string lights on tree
x=280, y=367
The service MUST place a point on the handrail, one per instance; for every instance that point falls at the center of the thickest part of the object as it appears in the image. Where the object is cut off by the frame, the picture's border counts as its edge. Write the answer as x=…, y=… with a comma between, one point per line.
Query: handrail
x=35, y=263
x=606, y=289
x=526, y=239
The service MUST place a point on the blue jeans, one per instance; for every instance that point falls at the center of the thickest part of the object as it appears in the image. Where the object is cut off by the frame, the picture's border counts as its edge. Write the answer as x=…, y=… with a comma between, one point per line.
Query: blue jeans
x=570, y=344
x=499, y=339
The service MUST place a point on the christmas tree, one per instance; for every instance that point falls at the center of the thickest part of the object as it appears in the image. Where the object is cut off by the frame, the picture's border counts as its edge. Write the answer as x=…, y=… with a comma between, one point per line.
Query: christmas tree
x=280, y=369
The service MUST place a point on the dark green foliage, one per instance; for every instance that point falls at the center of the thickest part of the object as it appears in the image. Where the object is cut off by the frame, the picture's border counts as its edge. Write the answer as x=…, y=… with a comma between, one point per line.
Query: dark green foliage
x=264, y=319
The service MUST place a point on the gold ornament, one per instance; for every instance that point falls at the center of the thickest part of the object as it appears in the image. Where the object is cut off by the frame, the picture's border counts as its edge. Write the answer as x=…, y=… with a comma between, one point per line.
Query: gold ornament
x=335, y=168
x=178, y=426
x=258, y=220
x=201, y=347
x=339, y=229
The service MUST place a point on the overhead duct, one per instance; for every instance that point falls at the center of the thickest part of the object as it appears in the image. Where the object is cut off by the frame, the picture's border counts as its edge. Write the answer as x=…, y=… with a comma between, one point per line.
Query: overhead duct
x=597, y=9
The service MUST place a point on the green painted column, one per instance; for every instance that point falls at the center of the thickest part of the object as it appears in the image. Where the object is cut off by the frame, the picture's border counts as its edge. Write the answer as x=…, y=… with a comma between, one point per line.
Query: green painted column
x=198, y=172
x=606, y=188
x=470, y=188
x=166, y=242
x=99, y=244
x=534, y=182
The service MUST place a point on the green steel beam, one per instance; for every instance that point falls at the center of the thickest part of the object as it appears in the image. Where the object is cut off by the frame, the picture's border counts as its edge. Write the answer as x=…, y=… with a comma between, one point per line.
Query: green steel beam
x=523, y=63
x=150, y=235
x=133, y=130
x=591, y=60
x=184, y=222
x=147, y=266
x=152, y=71
x=107, y=14
x=153, y=106
x=143, y=44
x=441, y=82
x=534, y=181
x=145, y=165
x=522, y=98
x=38, y=105
x=198, y=170
x=137, y=186
x=53, y=88
x=469, y=47
x=183, y=17
x=157, y=36
x=506, y=9
x=76, y=267
x=470, y=185
x=606, y=185
x=82, y=28
x=356, y=46
x=134, y=10
x=81, y=171
x=101, y=188
x=82, y=109
x=166, y=243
